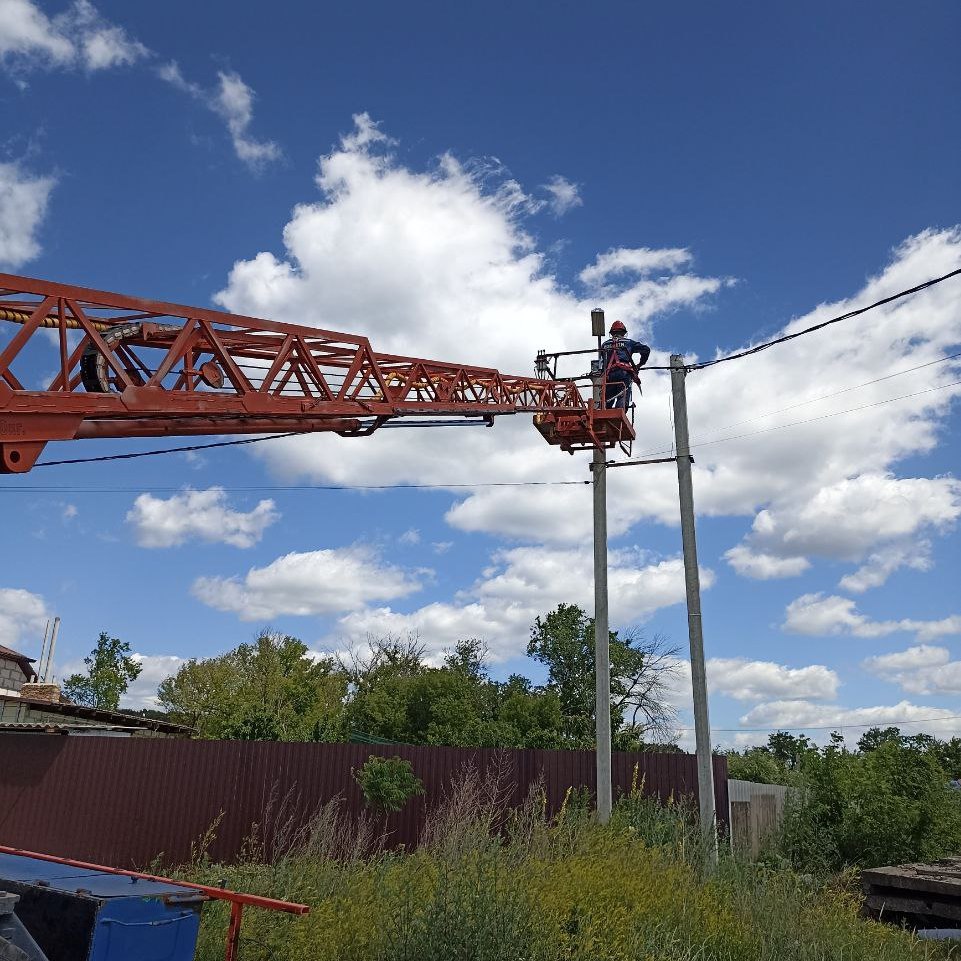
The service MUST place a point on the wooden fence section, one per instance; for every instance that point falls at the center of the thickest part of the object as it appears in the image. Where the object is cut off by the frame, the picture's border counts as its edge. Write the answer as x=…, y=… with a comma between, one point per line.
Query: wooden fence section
x=127, y=801
x=756, y=813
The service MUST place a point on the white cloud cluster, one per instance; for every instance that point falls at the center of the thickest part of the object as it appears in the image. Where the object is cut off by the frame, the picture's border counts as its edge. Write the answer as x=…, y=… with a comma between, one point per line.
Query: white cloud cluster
x=564, y=195
x=233, y=101
x=417, y=259
x=923, y=669
x=641, y=261
x=23, y=616
x=819, y=615
x=24, y=198
x=881, y=564
x=520, y=584
x=845, y=520
x=747, y=680
x=142, y=693
x=78, y=37
x=202, y=514
x=797, y=715
x=309, y=583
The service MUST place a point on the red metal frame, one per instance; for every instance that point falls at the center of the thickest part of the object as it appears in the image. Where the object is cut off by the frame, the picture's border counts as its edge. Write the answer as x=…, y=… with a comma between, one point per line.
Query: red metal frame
x=237, y=900
x=157, y=368
x=143, y=368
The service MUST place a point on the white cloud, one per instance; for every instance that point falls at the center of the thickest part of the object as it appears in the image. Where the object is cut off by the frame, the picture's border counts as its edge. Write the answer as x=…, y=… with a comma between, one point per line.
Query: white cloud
x=748, y=680
x=25, y=31
x=883, y=563
x=310, y=583
x=204, y=515
x=815, y=614
x=797, y=715
x=142, y=693
x=520, y=584
x=409, y=257
x=23, y=616
x=101, y=45
x=24, y=198
x=233, y=101
x=441, y=547
x=923, y=669
x=78, y=37
x=69, y=512
x=847, y=518
x=764, y=567
x=410, y=537
x=640, y=261
x=235, y=104
x=565, y=195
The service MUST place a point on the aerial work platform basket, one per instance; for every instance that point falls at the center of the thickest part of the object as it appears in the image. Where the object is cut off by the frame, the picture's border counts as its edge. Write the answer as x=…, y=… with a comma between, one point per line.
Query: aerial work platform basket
x=585, y=430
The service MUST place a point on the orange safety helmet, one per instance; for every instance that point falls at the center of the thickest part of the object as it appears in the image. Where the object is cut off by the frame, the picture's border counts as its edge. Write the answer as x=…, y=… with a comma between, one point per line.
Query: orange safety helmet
x=618, y=328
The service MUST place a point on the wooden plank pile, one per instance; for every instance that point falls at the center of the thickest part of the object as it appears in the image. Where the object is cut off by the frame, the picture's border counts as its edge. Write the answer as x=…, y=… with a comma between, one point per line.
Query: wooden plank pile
x=922, y=895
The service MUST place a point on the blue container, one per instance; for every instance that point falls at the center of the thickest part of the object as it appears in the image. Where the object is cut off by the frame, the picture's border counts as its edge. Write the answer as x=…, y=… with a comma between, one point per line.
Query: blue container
x=75, y=914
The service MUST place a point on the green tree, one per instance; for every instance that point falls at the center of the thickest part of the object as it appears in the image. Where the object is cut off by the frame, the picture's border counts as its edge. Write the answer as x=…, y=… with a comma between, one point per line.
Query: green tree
x=396, y=695
x=271, y=690
x=641, y=672
x=110, y=670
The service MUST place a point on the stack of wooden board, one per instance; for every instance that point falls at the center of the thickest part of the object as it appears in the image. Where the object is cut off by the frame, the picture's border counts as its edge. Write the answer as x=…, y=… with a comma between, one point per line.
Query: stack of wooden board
x=923, y=895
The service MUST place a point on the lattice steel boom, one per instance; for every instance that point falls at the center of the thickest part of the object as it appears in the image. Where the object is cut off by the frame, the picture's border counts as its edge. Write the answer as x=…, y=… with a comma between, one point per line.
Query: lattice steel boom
x=145, y=368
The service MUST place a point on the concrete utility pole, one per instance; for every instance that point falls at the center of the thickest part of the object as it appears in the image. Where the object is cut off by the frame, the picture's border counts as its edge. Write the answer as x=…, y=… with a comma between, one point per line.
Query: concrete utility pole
x=602, y=646
x=692, y=580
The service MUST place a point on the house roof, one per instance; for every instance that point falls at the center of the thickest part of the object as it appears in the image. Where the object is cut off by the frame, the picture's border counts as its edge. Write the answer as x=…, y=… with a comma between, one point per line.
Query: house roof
x=21, y=659
x=113, y=718
x=49, y=727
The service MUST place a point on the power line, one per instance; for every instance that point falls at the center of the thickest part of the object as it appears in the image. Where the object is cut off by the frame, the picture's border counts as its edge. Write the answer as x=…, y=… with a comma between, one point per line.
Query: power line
x=842, y=725
x=263, y=489
x=807, y=420
x=835, y=393
x=757, y=348
x=237, y=443
x=167, y=450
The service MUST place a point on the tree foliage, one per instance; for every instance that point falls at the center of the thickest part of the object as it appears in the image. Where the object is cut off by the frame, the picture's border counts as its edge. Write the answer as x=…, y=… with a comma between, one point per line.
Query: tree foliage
x=889, y=801
x=274, y=689
x=641, y=673
x=110, y=670
x=387, y=783
x=271, y=690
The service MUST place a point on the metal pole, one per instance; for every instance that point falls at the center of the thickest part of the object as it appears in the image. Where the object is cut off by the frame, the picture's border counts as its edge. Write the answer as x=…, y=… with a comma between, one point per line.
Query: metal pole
x=602, y=653
x=692, y=581
x=50, y=650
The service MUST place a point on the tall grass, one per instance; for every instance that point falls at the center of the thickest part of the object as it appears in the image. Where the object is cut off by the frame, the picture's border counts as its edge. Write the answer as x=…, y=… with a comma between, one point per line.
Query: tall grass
x=492, y=884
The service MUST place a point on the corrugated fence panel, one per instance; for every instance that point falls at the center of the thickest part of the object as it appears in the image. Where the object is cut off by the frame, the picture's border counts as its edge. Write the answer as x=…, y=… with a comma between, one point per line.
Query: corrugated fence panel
x=127, y=802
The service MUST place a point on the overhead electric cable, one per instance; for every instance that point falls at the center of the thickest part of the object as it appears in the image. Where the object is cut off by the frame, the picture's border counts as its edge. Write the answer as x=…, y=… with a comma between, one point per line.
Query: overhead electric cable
x=266, y=489
x=826, y=727
x=757, y=348
x=807, y=420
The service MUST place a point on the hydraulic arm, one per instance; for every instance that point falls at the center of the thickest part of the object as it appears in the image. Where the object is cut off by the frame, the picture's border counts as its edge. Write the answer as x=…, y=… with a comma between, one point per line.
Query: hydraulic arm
x=129, y=367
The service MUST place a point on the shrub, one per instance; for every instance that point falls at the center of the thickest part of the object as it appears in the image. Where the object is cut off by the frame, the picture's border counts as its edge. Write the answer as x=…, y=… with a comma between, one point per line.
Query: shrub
x=387, y=783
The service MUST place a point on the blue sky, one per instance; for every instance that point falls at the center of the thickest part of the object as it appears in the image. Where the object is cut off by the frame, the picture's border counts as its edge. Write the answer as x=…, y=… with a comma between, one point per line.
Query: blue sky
x=466, y=184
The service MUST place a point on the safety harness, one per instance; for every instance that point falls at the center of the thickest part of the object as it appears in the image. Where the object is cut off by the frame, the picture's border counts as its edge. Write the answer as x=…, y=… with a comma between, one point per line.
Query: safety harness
x=614, y=362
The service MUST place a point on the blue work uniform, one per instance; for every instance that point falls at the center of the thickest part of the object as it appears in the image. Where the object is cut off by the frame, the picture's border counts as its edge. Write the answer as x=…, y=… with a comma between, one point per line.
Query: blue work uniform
x=617, y=355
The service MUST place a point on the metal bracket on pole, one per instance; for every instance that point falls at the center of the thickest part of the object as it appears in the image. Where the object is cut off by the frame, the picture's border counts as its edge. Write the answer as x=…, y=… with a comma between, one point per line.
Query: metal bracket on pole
x=692, y=580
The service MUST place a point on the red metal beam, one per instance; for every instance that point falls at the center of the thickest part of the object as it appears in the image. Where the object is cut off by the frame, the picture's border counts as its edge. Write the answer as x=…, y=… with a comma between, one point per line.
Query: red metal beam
x=149, y=368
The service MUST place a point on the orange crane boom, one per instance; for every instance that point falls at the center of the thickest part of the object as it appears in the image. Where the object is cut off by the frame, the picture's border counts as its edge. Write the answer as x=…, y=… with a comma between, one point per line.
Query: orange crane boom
x=143, y=368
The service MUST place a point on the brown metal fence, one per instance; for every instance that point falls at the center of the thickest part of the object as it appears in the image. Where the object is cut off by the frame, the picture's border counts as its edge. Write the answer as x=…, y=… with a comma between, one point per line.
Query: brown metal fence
x=126, y=802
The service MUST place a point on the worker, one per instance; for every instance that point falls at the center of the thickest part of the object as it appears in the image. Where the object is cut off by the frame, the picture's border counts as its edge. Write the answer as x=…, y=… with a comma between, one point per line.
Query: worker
x=620, y=371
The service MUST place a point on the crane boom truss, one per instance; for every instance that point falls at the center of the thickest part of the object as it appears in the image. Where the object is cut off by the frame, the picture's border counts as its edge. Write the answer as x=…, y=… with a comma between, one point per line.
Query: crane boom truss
x=136, y=367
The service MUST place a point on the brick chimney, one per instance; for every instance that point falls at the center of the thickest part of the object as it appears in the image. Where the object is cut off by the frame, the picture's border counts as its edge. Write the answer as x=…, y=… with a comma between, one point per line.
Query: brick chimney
x=41, y=692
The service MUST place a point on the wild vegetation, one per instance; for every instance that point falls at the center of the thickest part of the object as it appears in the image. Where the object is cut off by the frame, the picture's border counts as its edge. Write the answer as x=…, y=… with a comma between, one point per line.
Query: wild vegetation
x=492, y=885
x=890, y=800
x=275, y=689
